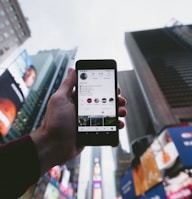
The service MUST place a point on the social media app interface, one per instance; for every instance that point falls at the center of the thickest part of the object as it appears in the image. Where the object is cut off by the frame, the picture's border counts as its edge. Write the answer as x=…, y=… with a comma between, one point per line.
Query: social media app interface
x=96, y=101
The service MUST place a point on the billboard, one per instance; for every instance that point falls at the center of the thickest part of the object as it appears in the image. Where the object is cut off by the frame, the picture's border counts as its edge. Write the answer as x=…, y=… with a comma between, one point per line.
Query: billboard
x=182, y=137
x=157, y=192
x=16, y=80
x=61, y=178
x=164, y=170
x=51, y=192
x=165, y=152
x=179, y=185
x=97, y=179
x=127, y=186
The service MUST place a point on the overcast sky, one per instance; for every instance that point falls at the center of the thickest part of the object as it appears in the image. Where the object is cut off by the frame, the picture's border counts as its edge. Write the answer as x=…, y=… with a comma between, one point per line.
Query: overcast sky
x=97, y=26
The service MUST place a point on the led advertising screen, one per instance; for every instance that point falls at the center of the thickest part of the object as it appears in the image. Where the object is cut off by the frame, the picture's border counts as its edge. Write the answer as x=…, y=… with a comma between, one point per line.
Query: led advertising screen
x=178, y=178
x=97, y=179
x=164, y=170
x=182, y=137
x=151, y=171
x=51, y=192
x=165, y=152
x=139, y=180
x=179, y=185
x=60, y=177
x=157, y=192
x=16, y=81
x=127, y=186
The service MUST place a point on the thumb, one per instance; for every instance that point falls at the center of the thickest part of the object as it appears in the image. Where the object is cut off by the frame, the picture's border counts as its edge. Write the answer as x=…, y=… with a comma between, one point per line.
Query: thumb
x=69, y=82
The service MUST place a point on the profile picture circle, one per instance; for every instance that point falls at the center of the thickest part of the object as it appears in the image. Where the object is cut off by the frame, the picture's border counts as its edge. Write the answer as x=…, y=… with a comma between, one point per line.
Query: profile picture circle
x=83, y=76
x=111, y=99
x=96, y=100
x=104, y=100
x=89, y=100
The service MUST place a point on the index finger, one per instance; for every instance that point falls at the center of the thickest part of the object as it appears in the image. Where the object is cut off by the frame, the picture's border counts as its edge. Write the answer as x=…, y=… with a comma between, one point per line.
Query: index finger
x=69, y=82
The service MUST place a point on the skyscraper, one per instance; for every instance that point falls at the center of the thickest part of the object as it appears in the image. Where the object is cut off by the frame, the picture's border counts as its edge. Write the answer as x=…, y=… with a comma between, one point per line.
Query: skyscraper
x=138, y=120
x=51, y=69
x=14, y=29
x=163, y=70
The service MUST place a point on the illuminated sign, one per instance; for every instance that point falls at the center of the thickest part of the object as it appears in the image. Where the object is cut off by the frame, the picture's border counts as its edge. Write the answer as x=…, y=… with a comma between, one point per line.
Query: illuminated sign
x=15, y=83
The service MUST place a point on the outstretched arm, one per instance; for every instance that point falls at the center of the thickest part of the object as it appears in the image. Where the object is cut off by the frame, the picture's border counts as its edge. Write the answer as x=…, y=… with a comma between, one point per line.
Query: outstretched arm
x=24, y=160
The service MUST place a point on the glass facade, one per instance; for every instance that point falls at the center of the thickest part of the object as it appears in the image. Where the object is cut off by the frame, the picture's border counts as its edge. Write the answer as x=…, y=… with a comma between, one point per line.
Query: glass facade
x=51, y=67
x=170, y=61
x=13, y=27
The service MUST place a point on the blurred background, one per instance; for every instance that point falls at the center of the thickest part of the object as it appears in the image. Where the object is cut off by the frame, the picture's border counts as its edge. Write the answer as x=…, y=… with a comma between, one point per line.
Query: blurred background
x=151, y=42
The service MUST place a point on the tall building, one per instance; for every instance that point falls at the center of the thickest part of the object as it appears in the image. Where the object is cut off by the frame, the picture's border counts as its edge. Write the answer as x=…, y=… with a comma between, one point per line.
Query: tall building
x=138, y=119
x=51, y=69
x=14, y=29
x=162, y=93
x=123, y=162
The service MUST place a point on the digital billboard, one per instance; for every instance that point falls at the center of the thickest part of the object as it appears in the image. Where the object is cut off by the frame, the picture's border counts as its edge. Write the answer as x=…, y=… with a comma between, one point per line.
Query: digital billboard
x=151, y=171
x=179, y=185
x=157, y=192
x=165, y=152
x=60, y=177
x=127, y=186
x=51, y=192
x=164, y=170
x=182, y=137
x=23, y=71
x=97, y=179
x=16, y=80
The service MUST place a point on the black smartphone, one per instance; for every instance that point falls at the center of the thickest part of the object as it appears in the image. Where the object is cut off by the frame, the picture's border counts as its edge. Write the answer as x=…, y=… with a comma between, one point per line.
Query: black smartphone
x=97, y=117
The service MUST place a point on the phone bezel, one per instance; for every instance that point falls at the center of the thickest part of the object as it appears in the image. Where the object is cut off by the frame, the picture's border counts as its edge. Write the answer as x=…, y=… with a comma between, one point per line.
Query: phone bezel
x=97, y=138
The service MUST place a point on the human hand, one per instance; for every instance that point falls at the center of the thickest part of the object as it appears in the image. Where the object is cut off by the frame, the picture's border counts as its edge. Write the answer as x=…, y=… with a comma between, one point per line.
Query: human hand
x=55, y=139
x=122, y=111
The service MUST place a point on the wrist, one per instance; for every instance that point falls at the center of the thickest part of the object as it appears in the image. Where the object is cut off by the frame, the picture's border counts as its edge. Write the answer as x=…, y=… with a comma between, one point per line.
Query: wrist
x=48, y=149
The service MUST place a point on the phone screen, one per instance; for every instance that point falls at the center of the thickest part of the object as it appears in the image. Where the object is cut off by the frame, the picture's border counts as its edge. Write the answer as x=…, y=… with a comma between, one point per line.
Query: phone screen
x=96, y=100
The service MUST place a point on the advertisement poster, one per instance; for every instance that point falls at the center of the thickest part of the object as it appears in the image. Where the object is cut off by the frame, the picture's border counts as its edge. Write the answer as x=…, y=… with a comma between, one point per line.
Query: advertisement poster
x=151, y=171
x=155, y=193
x=165, y=152
x=139, y=180
x=59, y=177
x=182, y=137
x=51, y=192
x=23, y=71
x=127, y=186
x=179, y=186
x=165, y=168
x=97, y=179
x=16, y=81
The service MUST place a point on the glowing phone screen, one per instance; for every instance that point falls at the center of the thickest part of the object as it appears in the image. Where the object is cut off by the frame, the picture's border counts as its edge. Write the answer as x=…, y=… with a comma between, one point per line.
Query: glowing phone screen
x=96, y=100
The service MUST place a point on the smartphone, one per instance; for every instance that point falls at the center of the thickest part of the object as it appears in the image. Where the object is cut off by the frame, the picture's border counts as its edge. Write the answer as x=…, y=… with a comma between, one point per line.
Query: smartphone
x=97, y=117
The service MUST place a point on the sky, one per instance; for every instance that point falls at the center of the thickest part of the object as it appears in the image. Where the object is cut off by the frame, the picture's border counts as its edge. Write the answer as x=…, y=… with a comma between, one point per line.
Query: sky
x=97, y=27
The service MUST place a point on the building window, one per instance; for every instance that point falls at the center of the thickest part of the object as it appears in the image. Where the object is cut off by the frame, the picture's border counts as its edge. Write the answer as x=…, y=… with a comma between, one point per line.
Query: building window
x=22, y=34
x=18, y=26
x=7, y=22
x=2, y=13
x=6, y=35
x=11, y=9
x=1, y=38
x=16, y=39
x=15, y=17
x=2, y=25
x=11, y=31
